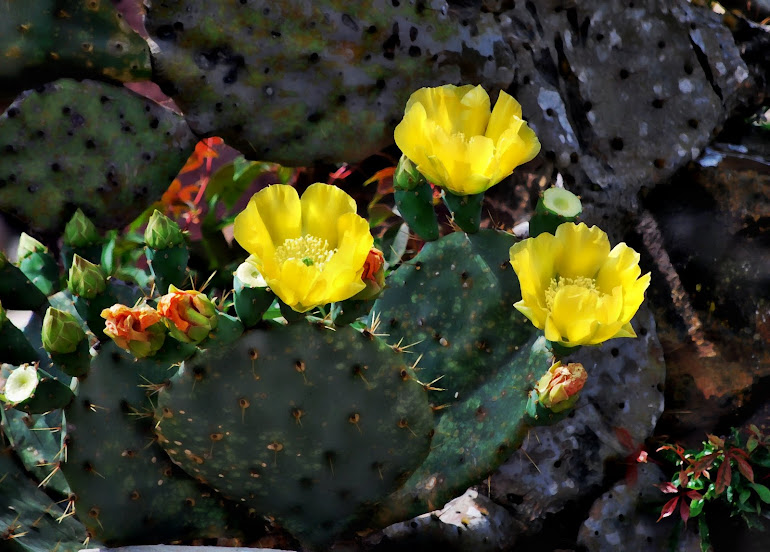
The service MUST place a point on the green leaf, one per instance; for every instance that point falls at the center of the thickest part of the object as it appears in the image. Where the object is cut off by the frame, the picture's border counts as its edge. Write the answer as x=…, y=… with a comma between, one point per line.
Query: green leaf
x=705, y=538
x=744, y=495
x=378, y=214
x=398, y=247
x=762, y=491
x=696, y=507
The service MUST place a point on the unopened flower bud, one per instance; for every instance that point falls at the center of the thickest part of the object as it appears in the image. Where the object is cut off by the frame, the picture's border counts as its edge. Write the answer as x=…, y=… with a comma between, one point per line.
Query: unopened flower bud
x=162, y=232
x=373, y=275
x=29, y=245
x=80, y=231
x=559, y=388
x=189, y=315
x=406, y=177
x=21, y=384
x=137, y=330
x=85, y=278
x=61, y=332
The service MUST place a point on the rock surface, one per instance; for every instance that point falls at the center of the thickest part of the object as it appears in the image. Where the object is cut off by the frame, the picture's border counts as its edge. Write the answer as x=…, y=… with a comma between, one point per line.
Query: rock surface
x=469, y=522
x=625, y=516
x=617, y=411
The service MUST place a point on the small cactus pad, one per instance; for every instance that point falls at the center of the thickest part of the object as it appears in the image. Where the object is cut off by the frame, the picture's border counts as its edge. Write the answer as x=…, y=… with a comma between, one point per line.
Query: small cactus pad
x=455, y=302
x=300, y=422
x=42, y=40
x=298, y=81
x=30, y=520
x=86, y=144
x=473, y=437
x=453, y=305
x=127, y=489
x=37, y=441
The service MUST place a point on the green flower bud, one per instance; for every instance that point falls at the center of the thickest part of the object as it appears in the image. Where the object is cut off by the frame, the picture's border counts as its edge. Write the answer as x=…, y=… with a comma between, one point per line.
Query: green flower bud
x=3, y=315
x=21, y=384
x=80, y=231
x=29, y=245
x=85, y=278
x=162, y=232
x=189, y=315
x=406, y=177
x=61, y=332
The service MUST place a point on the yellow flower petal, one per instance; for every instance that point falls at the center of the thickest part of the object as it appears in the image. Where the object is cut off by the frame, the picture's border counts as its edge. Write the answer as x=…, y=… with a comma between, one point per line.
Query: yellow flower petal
x=533, y=261
x=272, y=216
x=576, y=289
x=314, y=257
x=506, y=111
x=322, y=203
x=474, y=115
x=585, y=249
x=449, y=133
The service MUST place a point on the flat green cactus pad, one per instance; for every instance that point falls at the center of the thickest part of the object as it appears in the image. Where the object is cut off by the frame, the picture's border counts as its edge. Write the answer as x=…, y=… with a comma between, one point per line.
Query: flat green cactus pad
x=298, y=81
x=37, y=440
x=31, y=521
x=310, y=425
x=91, y=145
x=42, y=40
x=127, y=489
x=454, y=304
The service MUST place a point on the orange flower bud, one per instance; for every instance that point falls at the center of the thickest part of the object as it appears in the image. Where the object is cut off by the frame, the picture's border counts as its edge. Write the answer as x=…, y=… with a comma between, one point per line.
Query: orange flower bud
x=558, y=389
x=373, y=265
x=135, y=329
x=189, y=315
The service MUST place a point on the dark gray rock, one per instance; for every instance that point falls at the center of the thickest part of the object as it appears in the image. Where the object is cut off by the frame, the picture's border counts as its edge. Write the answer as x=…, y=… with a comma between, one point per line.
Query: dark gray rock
x=624, y=517
x=622, y=95
x=617, y=411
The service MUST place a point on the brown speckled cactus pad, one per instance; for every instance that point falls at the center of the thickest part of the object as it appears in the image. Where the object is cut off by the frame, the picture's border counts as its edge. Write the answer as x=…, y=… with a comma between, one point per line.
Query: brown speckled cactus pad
x=42, y=40
x=91, y=145
x=298, y=81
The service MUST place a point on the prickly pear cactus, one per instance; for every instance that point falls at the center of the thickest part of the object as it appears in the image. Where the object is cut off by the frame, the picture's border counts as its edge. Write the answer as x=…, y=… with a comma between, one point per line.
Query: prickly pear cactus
x=86, y=144
x=453, y=304
x=38, y=441
x=309, y=425
x=42, y=40
x=277, y=79
x=126, y=488
x=31, y=521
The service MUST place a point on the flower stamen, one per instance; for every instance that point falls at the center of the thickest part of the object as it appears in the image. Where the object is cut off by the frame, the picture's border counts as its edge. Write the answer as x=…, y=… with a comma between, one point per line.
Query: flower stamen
x=310, y=250
x=556, y=285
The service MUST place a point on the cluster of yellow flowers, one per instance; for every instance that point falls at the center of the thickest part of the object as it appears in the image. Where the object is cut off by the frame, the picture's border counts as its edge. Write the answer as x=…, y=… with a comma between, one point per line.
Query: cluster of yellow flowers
x=312, y=250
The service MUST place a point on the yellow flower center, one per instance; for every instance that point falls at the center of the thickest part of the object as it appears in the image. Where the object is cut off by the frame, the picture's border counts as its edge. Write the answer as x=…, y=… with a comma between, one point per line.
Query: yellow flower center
x=588, y=284
x=312, y=251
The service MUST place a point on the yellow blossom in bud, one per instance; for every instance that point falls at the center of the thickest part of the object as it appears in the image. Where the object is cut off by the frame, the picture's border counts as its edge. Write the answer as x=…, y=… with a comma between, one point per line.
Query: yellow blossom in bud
x=575, y=289
x=310, y=251
x=558, y=389
x=456, y=143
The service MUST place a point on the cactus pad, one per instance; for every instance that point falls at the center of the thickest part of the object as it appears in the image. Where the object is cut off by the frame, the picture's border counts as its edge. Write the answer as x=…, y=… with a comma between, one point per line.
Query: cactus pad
x=309, y=425
x=110, y=440
x=30, y=520
x=298, y=81
x=86, y=144
x=42, y=40
x=454, y=302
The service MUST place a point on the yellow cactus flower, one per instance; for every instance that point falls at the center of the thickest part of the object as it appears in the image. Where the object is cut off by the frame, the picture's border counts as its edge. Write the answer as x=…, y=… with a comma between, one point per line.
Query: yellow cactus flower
x=449, y=133
x=575, y=288
x=310, y=251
